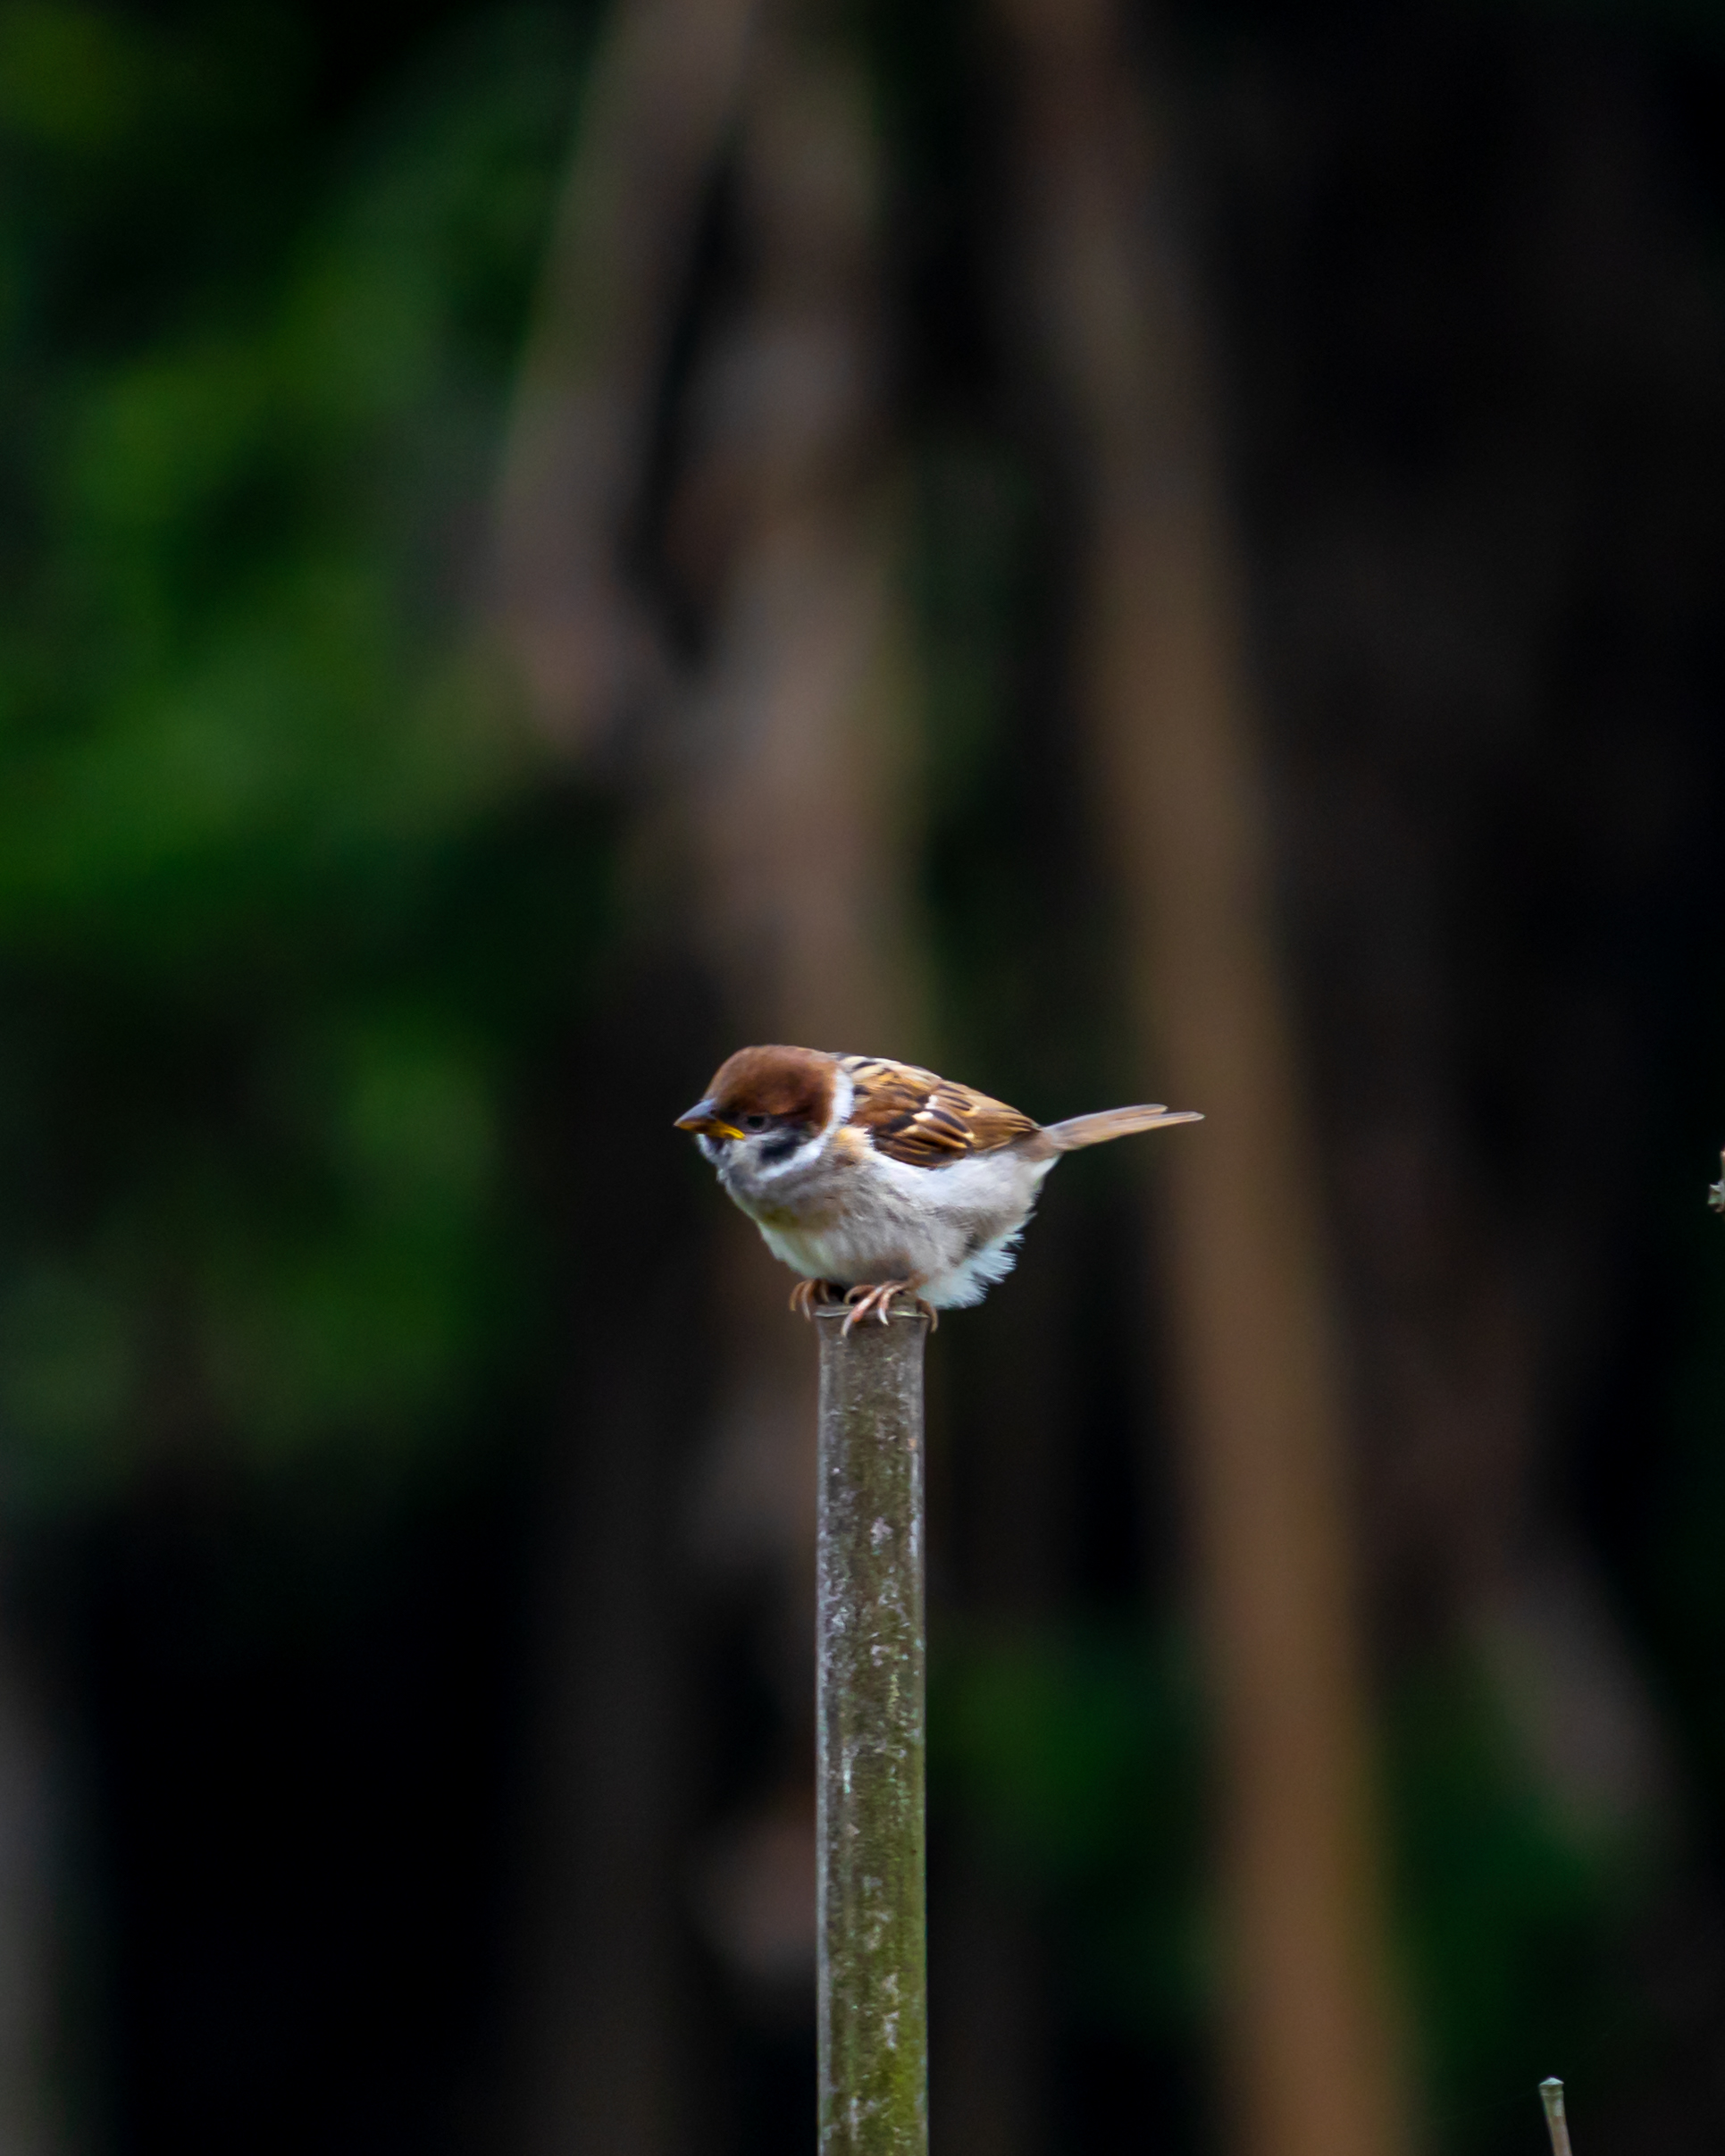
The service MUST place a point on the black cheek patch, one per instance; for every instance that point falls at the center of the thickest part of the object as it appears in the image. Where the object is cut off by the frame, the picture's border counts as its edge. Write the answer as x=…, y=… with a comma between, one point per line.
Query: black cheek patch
x=780, y=1148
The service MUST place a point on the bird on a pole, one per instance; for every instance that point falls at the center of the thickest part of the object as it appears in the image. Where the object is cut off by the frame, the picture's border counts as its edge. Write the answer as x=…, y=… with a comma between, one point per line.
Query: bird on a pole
x=874, y=1179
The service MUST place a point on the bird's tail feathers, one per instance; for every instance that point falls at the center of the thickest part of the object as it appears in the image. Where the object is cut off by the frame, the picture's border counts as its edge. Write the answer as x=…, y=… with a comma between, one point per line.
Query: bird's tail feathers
x=1097, y=1130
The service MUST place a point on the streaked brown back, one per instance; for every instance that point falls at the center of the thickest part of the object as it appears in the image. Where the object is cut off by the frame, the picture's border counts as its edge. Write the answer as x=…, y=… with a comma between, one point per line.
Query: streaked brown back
x=927, y=1121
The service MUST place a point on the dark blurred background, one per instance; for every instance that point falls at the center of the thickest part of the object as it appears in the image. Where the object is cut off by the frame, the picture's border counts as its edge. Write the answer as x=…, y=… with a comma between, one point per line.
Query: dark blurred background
x=541, y=544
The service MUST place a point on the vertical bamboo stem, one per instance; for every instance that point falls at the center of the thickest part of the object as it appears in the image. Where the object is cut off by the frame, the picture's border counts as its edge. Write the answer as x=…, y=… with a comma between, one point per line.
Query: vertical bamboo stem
x=873, y=1990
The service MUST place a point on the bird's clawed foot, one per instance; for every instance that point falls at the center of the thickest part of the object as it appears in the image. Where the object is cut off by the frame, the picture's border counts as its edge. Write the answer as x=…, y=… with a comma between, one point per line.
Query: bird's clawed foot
x=807, y=1296
x=876, y=1302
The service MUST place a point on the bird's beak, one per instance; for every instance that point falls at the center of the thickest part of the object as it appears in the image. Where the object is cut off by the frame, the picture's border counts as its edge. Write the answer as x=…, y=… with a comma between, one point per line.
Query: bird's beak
x=704, y=1116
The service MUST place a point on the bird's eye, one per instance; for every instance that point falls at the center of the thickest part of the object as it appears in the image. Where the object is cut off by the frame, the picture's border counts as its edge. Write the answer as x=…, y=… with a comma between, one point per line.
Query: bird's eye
x=756, y=1122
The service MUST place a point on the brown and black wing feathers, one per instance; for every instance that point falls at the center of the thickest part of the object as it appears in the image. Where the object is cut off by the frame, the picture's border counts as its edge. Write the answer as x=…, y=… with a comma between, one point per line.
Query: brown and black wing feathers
x=927, y=1121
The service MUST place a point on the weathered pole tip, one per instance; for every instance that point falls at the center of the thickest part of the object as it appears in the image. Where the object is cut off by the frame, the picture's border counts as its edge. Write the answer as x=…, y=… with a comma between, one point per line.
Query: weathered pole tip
x=1551, y=2094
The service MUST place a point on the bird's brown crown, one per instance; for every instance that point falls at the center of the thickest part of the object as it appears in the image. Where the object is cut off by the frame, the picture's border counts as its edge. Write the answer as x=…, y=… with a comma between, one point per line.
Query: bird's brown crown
x=796, y=1084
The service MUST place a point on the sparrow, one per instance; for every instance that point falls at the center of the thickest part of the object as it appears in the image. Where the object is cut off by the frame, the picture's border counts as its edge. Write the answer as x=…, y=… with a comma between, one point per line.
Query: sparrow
x=874, y=1179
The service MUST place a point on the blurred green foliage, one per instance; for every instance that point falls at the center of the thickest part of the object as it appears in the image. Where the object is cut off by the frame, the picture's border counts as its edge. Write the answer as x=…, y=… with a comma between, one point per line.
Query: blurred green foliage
x=1074, y=1759
x=1515, y=1913
x=1076, y=1764
x=279, y=899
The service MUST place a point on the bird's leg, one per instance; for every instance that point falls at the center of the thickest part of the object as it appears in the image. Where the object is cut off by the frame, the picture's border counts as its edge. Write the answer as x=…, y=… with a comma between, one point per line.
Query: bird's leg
x=877, y=1301
x=807, y=1296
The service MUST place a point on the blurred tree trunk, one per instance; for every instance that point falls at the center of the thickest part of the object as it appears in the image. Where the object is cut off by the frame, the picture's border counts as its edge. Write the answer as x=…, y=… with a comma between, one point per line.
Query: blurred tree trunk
x=1311, y=2035
x=661, y=102
x=1494, y=806
x=695, y=577
x=1475, y=1306
x=789, y=804
x=607, y=2052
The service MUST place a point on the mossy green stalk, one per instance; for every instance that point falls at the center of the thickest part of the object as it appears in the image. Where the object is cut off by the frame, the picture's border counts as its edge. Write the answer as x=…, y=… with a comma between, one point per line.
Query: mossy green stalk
x=873, y=1986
